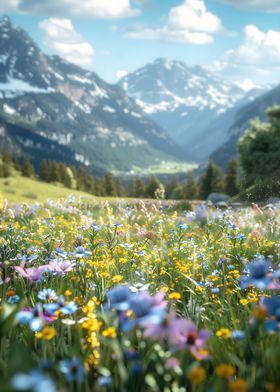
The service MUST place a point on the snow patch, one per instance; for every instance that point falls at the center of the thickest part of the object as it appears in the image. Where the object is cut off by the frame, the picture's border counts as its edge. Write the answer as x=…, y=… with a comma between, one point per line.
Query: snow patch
x=79, y=79
x=109, y=109
x=8, y=109
x=19, y=87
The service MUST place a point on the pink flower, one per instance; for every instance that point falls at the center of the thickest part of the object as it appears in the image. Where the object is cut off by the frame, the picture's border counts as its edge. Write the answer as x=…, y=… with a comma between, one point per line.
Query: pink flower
x=34, y=275
x=172, y=329
x=172, y=363
x=61, y=266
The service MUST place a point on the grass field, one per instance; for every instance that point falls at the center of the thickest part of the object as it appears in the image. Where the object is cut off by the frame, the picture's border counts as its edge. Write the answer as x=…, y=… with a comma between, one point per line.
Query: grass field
x=18, y=189
x=138, y=297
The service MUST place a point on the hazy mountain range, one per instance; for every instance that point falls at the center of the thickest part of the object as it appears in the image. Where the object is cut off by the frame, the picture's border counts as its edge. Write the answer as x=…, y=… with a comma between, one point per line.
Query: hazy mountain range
x=191, y=104
x=165, y=111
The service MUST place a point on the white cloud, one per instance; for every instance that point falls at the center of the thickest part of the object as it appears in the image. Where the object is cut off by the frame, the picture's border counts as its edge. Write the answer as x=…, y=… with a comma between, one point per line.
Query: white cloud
x=257, y=5
x=167, y=34
x=193, y=16
x=258, y=54
x=8, y=6
x=189, y=23
x=121, y=73
x=101, y=9
x=61, y=37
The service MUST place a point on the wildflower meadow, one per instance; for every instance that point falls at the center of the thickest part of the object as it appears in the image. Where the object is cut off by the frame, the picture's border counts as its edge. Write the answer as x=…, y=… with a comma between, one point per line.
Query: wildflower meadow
x=139, y=296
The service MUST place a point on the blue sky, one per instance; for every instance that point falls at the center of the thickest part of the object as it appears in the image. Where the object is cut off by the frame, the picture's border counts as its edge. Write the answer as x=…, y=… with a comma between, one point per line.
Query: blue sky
x=238, y=39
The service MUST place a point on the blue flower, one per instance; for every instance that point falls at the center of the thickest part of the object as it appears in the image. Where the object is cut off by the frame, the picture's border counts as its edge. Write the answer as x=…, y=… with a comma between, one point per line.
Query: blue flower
x=96, y=227
x=256, y=275
x=182, y=226
x=36, y=381
x=32, y=317
x=272, y=306
x=104, y=381
x=47, y=294
x=237, y=334
x=146, y=309
x=13, y=299
x=119, y=297
x=81, y=252
x=60, y=305
x=73, y=370
x=61, y=253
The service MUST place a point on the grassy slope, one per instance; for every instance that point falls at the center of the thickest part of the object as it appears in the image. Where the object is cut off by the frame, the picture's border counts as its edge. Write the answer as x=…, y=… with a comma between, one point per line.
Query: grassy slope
x=17, y=189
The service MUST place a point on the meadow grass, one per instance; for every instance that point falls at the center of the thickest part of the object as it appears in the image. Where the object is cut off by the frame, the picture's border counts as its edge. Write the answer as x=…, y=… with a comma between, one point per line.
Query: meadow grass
x=138, y=297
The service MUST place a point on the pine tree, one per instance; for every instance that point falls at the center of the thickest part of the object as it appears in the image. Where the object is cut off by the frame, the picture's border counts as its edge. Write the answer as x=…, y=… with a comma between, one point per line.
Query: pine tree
x=231, y=181
x=171, y=186
x=110, y=185
x=211, y=181
x=152, y=186
x=66, y=176
x=191, y=189
x=27, y=169
x=44, y=173
x=138, y=188
x=55, y=174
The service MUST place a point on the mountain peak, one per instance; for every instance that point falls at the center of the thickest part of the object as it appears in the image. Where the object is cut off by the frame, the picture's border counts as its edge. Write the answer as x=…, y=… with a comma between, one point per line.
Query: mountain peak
x=5, y=21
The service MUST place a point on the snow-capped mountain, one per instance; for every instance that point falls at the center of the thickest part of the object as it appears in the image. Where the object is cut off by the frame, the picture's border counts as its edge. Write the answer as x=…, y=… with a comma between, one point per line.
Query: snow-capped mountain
x=255, y=109
x=185, y=101
x=49, y=106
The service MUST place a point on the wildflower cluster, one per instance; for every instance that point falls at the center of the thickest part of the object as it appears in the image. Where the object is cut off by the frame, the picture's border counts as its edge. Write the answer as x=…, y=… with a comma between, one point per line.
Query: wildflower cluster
x=139, y=297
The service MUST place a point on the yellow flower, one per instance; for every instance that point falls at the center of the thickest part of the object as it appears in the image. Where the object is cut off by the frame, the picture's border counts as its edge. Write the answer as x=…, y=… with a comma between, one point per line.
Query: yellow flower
x=109, y=332
x=244, y=301
x=239, y=385
x=117, y=279
x=174, y=296
x=47, y=333
x=225, y=370
x=68, y=293
x=223, y=333
x=197, y=375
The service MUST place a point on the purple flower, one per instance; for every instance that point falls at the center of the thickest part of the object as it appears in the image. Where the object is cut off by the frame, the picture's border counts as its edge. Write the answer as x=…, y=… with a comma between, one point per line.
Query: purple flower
x=61, y=266
x=34, y=275
x=146, y=309
x=196, y=340
x=172, y=363
x=171, y=329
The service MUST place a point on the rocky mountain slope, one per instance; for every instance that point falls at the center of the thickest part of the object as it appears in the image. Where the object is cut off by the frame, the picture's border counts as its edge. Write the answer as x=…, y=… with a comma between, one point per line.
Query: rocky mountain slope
x=242, y=119
x=50, y=107
x=188, y=102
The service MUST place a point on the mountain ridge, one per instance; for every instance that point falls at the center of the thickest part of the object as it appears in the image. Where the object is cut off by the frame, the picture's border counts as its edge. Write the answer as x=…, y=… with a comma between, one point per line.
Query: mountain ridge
x=243, y=118
x=75, y=108
x=186, y=101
